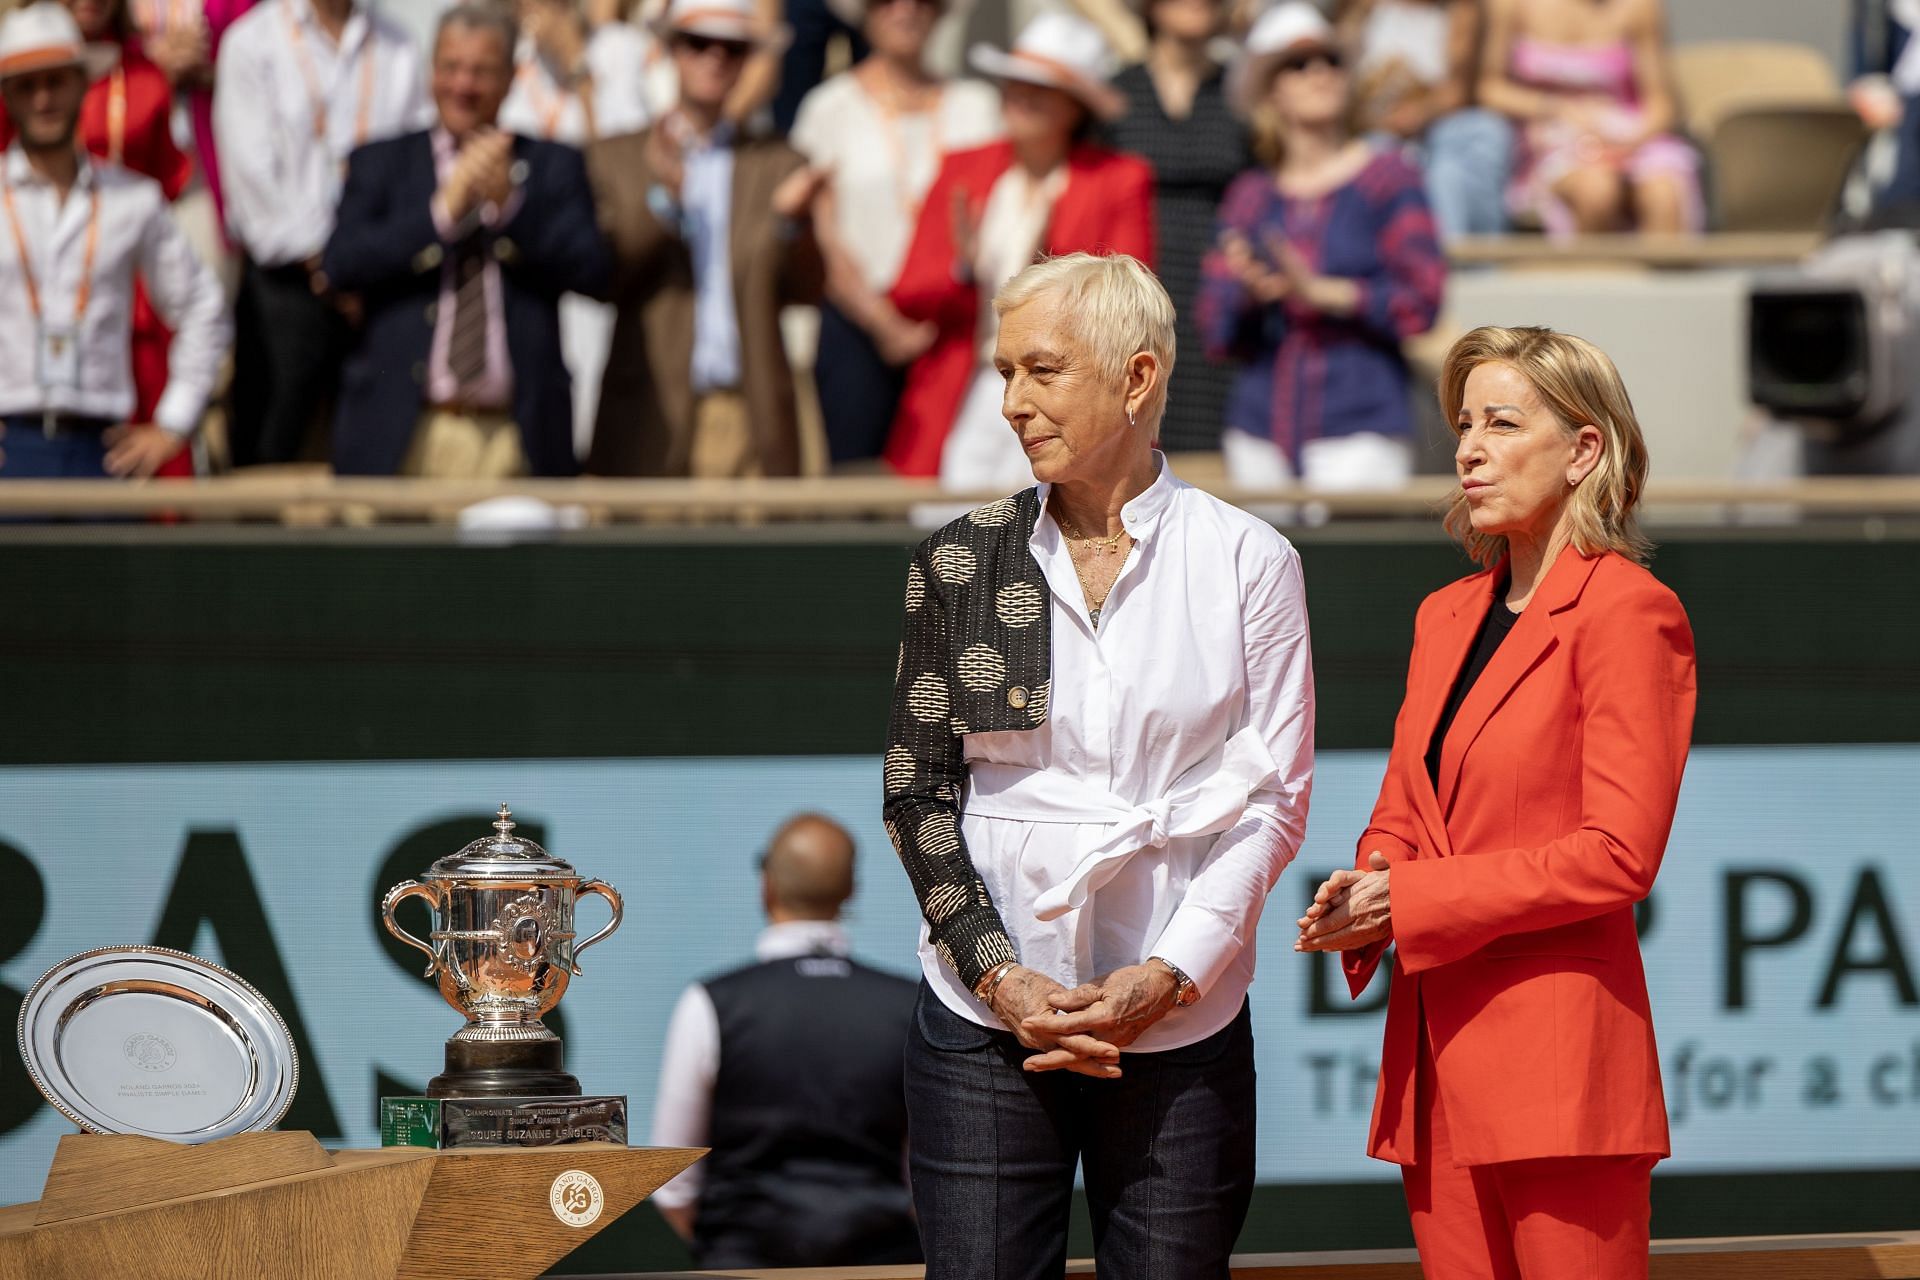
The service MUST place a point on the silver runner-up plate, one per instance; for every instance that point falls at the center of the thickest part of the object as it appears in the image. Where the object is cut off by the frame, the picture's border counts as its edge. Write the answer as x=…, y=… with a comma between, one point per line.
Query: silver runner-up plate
x=156, y=1042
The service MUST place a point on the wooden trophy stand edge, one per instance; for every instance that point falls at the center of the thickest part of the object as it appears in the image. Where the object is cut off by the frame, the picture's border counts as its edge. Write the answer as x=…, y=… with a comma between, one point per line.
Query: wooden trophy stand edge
x=113, y=1172
x=279, y=1206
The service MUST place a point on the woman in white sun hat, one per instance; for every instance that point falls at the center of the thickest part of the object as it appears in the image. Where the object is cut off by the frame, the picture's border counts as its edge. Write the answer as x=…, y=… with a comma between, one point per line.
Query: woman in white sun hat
x=1045, y=189
x=1325, y=260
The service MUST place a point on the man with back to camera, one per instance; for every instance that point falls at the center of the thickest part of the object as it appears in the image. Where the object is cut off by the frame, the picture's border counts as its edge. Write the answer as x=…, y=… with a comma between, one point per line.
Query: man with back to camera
x=790, y=1069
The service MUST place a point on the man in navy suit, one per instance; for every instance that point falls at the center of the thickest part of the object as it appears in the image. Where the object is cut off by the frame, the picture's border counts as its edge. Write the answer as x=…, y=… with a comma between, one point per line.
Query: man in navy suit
x=459, y=242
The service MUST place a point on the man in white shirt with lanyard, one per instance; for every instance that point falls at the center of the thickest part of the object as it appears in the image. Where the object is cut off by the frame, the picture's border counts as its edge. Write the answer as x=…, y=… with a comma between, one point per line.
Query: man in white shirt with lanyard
x=302, y=83
x=77, y=231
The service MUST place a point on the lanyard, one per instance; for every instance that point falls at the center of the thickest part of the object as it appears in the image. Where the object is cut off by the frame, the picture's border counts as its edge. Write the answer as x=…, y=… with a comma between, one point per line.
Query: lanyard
x=316, y=96
x=84, y=293
x=117, y=115
x=549, y=105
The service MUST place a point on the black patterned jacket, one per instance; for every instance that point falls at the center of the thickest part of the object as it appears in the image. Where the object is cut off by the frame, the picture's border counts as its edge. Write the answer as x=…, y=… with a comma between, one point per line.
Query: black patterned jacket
x=974, y=659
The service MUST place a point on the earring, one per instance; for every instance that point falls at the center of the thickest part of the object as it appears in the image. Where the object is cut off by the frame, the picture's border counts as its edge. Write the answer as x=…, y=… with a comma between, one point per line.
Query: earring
x=1130, y=418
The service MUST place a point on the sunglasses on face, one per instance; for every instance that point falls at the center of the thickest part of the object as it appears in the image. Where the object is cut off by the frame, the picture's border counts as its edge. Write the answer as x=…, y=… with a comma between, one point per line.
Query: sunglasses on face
x=701, y=45
x=1328, y=58
x=923, y=4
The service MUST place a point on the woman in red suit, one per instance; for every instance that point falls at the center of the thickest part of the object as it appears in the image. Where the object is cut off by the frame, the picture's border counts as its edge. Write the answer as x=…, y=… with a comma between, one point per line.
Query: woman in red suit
x=990, y=211
x=1535, y=767
x=127, y=119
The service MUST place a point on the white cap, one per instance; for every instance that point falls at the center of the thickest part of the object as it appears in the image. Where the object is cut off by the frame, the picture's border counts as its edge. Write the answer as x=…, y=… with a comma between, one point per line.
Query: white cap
x=41, y=36
x=1061, y=52
x=734, y=20
x=1279, y=32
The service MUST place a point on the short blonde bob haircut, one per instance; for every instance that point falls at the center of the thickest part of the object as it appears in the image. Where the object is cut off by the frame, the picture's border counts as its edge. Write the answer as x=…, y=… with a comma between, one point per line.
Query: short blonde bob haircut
x=1579, y=385
x=1118, y=307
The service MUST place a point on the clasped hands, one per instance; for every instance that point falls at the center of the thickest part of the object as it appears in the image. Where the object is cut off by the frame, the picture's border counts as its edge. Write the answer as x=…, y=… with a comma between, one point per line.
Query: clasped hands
x=1351, y=910
x=1083, y=1029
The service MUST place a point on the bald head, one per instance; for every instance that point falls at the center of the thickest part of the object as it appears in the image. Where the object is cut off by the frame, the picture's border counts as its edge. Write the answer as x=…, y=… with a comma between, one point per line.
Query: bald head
x=809, y=869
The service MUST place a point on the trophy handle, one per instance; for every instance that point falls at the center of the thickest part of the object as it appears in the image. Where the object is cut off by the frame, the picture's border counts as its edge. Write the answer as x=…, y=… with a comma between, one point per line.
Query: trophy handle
x=612, y=895
x=399, y=894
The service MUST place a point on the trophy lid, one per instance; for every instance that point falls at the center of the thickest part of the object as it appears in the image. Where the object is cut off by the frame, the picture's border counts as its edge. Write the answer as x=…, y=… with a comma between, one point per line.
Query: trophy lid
x=503, y=856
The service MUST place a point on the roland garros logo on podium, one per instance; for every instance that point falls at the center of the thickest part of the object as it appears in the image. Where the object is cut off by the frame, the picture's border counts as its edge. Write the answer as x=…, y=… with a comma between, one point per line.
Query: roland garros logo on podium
x=576, y=1198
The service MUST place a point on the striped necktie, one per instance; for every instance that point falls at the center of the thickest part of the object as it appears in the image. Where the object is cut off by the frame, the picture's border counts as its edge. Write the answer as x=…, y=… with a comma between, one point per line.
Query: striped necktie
x=467, y=349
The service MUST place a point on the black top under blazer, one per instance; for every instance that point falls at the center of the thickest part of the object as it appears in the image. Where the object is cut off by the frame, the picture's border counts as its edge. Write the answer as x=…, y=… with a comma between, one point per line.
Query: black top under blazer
x=975, y=658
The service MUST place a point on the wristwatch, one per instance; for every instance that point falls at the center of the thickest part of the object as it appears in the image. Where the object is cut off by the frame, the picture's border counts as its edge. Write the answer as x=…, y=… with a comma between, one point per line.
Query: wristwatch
x=1184, y=992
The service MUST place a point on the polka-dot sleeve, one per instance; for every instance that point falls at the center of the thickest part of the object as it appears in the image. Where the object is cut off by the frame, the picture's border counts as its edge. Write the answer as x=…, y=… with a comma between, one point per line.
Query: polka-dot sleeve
x=925, y=770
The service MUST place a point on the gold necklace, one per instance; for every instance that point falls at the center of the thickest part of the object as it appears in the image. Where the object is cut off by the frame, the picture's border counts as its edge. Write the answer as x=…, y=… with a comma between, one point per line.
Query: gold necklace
x=1100, y=547
x=1105, y=546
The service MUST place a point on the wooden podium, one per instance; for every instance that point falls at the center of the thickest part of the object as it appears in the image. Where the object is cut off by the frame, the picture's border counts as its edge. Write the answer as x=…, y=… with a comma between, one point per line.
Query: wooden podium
x=279, y=1206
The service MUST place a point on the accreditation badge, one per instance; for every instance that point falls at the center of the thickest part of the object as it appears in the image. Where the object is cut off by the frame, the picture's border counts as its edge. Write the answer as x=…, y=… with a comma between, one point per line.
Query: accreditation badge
x=59, y=358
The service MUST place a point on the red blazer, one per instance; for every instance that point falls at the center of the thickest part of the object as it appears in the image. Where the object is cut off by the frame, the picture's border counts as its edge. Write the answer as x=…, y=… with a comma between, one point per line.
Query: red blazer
x=1513, y=888
x=1107, y=207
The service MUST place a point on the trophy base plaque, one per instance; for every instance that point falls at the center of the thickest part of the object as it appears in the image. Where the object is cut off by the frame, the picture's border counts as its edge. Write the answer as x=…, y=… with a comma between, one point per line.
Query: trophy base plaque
x=504, y=1069
x=502, y=1122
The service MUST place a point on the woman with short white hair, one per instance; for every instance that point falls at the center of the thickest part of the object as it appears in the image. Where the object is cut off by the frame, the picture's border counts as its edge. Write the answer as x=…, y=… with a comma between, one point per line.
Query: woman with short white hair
x=1099, y=762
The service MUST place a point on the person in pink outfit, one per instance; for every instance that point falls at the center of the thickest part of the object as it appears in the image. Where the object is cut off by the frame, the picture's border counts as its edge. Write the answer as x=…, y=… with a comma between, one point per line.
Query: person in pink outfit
x=1589, y=83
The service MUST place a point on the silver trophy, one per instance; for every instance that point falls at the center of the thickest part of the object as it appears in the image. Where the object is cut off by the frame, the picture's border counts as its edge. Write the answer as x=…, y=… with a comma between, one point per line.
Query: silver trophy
x=503, y=952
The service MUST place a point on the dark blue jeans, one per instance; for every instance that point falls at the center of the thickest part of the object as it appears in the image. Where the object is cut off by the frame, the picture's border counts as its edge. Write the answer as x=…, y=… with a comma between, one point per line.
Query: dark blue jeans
x=859, y=391
x=1167, y=1151
x=78, y=452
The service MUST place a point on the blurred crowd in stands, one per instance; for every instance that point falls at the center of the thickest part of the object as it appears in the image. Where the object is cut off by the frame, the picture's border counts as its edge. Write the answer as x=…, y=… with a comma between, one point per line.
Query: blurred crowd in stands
x=687, y=239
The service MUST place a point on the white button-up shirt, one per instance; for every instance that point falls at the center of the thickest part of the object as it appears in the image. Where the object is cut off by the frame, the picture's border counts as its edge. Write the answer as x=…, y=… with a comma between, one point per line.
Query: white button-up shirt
x=281, y=183
x=1153, y=811
x=706, y=198
x=683, y=1108
x=137, y=233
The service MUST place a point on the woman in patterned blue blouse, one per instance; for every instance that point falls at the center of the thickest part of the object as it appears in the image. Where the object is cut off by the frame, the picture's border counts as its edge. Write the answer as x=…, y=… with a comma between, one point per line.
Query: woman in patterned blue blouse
x=1323, y=263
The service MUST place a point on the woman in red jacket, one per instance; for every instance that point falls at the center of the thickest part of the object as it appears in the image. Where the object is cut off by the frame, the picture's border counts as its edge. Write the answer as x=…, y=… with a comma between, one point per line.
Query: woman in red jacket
x=127, y=119
x=1535, y=768
x=990, y=212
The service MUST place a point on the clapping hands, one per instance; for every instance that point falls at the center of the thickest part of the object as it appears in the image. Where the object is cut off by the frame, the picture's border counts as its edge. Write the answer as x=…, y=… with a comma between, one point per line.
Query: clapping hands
x=1290, y=275
x=1351, y=910
x=1265, y=283
x=182, y=51
x=483, y=174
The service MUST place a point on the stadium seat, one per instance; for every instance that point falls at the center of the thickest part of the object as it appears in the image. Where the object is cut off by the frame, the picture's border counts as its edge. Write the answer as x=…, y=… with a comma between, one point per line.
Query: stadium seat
x=1781, y=168
x=1716, y=78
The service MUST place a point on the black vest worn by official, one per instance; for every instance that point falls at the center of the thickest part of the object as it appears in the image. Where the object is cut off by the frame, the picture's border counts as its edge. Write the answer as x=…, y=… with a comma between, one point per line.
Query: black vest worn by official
x=809, y=1120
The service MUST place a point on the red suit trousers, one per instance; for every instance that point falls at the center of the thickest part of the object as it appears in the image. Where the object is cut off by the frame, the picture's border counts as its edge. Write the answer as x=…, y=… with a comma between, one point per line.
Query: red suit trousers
x=1567, y=1218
